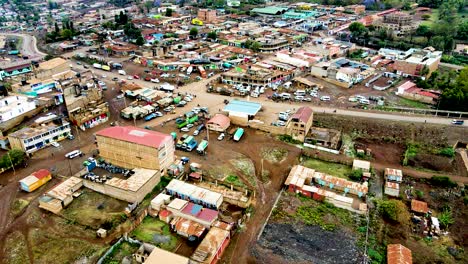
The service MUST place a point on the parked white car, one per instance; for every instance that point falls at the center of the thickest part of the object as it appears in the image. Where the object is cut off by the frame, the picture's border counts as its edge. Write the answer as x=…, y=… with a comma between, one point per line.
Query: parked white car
x=325, y=98
x=221, y=137
x=155, y=80
x=55, y=144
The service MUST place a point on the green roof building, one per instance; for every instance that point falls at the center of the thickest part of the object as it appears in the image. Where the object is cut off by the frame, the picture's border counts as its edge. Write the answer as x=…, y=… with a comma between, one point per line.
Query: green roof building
x=270, y=10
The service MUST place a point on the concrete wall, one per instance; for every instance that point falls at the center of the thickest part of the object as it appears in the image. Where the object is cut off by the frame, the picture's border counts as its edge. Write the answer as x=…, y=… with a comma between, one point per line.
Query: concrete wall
x=268, y=128
x=393, y=131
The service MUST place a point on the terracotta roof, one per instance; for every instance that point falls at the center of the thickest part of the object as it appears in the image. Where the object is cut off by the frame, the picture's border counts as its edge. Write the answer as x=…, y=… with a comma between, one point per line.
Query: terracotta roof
x=135, y=135
x=42, y=173
x=419, y=206
x=398, y=254
x=303, y=114
x=220, y=120
x=407, y=85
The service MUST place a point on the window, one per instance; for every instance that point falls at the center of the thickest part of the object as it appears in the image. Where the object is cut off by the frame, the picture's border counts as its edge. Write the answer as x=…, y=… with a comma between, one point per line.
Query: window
x=302, y=125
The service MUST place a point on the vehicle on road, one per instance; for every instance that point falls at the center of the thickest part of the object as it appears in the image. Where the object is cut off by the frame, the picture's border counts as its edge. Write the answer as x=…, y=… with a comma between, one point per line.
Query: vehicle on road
x=202, y=147
x=458, y=122
x=185, y=129
x=221, y=136
x=181, y=103
x=158, y=114
x=55, y=144
x=189, y=125
x=150, y=117
x=280, y=123
x=122, y=72
x=147, y=78
x=86, y=66
x=78, y=63
x=155, y=80
x=120, y=96
x=325, y=98
x=136, y=77
x=238, y=134
x=129, y=78
x=71, y=137
x=115, y=79
x=73, y=154
x=308, y=99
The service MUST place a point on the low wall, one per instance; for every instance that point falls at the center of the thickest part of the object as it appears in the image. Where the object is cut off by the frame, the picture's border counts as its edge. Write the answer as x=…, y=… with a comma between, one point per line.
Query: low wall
x=268, y=128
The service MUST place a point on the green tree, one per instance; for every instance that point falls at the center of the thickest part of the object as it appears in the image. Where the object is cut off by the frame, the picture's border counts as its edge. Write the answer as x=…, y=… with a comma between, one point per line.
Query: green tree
x=67, y=34
x=424, y=31
x=193, y=32
x=140, y=40
x=357, y=29
x=255, y=46
x=168, y=12
x=462, y=32
x=455, y=96
x=212, y=35
x=355, y=175
x=148, y=6
x=393, y=210
x=13, y=157
x=48, y=57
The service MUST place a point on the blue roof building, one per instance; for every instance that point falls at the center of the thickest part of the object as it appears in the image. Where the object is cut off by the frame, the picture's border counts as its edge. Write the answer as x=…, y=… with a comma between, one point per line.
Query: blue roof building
x=240, y=107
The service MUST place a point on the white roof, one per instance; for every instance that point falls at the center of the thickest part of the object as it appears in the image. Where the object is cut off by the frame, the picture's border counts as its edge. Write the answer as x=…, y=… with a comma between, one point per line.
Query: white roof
x=29, y=180
x=178, y=204
x=361, y=164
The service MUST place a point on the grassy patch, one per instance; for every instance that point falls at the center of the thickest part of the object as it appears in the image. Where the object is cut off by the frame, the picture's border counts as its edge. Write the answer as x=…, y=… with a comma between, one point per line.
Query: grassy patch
x=432, y=19
x=334, y=169
x=289, y=139
x=234, y=180
x=18, y=205
x=95, y=210
x=149, y=227
x=16, y=249
x=48, y=248
x=410, y=152
x=325, y=215
x=275, y=155
x=247, y=168
x=411, y=103
x=121, y=251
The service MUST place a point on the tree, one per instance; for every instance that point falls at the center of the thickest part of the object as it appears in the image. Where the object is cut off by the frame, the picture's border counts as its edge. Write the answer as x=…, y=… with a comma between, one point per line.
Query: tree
x=140, y=40
x=455, y=96
x=462, y=32
x=357, y=29
x=193, y=32
x=13, y=157
x=424, y=31
x=212, y=35
x=148, y=6
x=356, y=175
x=66, y=34
x=394, y=211
x=255, y=46
x=48, y=57
x=168, y=12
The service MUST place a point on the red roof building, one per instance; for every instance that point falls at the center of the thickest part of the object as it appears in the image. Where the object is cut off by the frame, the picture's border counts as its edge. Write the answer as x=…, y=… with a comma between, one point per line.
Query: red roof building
x=300, y=123
x=132, y=147
x=419, y=206
x=398, y=254
x=40, y=174
x=218, y=123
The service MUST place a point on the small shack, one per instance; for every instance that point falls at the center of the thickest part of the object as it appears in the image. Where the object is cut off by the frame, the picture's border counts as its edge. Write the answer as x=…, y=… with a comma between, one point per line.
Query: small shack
x=219, y=123
x=361, y=165
x=398, y=254
x=35, y=180
x=419, y=207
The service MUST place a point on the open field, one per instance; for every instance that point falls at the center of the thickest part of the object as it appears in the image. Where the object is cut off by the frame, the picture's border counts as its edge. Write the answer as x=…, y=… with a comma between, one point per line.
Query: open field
x=95, y=210
x=335, y=169
x=156, y=232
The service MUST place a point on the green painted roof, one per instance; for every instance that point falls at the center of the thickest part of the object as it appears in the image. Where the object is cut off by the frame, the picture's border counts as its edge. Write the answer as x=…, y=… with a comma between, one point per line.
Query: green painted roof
x=270, y=10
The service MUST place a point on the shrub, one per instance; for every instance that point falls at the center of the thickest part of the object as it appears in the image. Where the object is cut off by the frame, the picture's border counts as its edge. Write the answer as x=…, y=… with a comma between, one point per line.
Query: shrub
x=442, y=181
x=447, y=152
x=289, y=139
x=355, y=175
x=446, y=218
x=393, y=210
x=419, y=194
x=425, y=17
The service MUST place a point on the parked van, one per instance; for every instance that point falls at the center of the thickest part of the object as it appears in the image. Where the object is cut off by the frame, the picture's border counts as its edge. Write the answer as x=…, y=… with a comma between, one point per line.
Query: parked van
x=364, y=101
x=122, y=72
x=285, y=96
x=74, y=154
x=300, y=93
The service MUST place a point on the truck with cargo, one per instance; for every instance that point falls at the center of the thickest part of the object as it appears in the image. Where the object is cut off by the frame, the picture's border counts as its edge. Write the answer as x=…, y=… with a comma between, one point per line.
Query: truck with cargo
x=192, y=119
x=202, y=71
x=202, y=147
x=187, y=141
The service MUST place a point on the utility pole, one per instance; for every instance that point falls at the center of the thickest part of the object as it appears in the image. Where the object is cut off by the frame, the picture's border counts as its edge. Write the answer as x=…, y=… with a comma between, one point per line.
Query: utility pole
x=13, y=166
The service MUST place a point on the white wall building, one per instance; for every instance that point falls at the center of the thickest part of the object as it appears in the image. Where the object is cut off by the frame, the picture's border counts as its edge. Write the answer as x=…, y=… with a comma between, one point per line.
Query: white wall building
x=13, y=106
x=31, y=139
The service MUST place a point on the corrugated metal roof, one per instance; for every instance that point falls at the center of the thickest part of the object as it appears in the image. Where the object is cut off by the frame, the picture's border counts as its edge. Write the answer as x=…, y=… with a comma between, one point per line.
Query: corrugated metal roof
x=398, y=254
x=136, y=135
x=240, y=106
x=134, y=182
x=66, y=188
x=419, y=206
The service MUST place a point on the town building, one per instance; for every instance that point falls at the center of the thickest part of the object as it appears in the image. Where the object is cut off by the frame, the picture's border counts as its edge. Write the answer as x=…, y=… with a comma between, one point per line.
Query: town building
x=410, y=91
x=34, y=138
x=257, y=76
x=212, y=246
x=195, y=194
x=132, y=190
x=196, y=213
x=300, y=123
x=398, y=22
x=361, y=165
x=240, y=112
x=418, y=62
x=162, y=256
x=35, y=180
x=325, y=137
x=61, y=195
x=15, y=70
x=12, y=106
x=392, y=189
x=206, y=15
x=219, y=123
x=48, y=69
x=393, y=175
x=93, y=115
x=399, y=254
x=132, y=147
x=187, y=228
